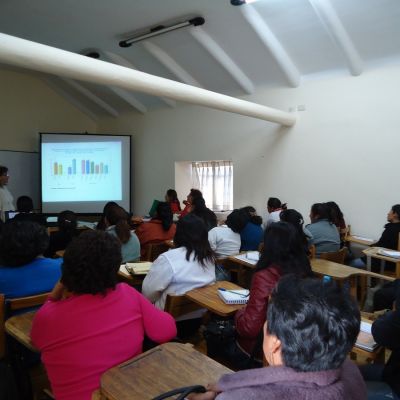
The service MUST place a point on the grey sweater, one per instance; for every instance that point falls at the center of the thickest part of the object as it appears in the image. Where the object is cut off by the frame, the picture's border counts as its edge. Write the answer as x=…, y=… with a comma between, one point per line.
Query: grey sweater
x=282, y=383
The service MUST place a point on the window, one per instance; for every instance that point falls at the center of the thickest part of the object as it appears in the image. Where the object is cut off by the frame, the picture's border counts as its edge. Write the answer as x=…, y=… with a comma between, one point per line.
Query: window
x=215, y=180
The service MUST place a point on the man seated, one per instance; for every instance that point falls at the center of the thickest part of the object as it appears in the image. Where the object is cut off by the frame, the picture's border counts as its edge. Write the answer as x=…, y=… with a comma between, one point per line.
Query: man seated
x=311, y=327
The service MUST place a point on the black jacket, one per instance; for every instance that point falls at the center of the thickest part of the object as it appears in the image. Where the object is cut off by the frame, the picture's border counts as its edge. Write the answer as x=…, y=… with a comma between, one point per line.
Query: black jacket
x=386, y=332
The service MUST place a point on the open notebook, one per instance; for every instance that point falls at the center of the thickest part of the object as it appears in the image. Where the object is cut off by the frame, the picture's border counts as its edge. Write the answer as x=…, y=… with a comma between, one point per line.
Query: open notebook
x=365, y=339
x=141, y=268
x=237, y=296
x=389, y=253
x=251, y=257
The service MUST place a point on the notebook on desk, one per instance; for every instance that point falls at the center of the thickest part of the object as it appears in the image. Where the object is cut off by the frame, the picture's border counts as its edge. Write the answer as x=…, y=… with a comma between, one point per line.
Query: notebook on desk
x=237, y=296
x=389, y=253
x=365, y=340
x=141, y=268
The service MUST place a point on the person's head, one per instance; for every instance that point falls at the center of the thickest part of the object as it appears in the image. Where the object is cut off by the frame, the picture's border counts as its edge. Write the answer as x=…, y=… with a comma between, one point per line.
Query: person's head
x=171, y=195
x=194, y=193
x=67, y=221
x=198, y=204
x=118, y=217
x=3, y=175
x=91, y=263
x=237, y=220
x=319, y=211
x=191, y=233
x=274, y=204
x=293, y=217
x=284, y=248
x=108, y=206
x=335, y=212
x=394, y=214
x=24, y=204
x=21, y=242
x=252, y=215
x=311, y=325
x=164, y=213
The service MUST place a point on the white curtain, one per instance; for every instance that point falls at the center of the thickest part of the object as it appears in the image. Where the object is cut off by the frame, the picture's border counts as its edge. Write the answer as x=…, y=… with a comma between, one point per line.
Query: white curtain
x=215, y=180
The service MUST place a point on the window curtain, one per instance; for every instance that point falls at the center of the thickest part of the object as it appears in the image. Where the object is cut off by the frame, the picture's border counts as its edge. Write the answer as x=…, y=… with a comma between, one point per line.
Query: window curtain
x=215, y=180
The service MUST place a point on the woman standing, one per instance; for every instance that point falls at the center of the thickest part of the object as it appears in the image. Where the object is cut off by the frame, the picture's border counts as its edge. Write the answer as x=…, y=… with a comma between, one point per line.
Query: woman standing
x=6, y=198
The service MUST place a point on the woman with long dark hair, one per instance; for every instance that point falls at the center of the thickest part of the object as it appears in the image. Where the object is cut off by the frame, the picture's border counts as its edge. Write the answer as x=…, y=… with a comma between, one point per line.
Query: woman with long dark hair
x=116, y=219
x=171, y=197
x=283, y=253
x=252, y=234
x=200, y=209
x=190, y=265
x=159, y=229
x=274, y=208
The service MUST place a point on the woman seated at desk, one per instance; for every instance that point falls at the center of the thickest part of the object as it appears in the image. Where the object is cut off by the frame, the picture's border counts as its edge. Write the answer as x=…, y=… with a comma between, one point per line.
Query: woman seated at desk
x=303, y=364
x=284, y=252
x=159, y=229
x=91, y=323
x=191, y=264
x=116, y=220
x=252, y=234
x=171, y=197
x=23, y=269
x=325, y=235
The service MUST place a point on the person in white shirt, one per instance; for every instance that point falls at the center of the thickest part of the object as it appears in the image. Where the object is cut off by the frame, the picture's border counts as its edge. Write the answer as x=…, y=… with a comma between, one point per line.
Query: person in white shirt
x=6, y=198
x=274, y=208
x=189, y=266
x=225, y=240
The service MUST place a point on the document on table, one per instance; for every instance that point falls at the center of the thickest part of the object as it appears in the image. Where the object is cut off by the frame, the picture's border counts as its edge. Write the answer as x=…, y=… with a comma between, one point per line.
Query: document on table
x=250, y=257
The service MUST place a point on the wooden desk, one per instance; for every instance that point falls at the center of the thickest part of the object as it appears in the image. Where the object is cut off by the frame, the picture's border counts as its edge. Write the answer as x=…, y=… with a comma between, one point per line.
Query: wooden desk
x=207, y=297
x=159, y=370
x=242, y=262
x=60, y=253
x=358, y=240
x=372, y=252
x=19, y=327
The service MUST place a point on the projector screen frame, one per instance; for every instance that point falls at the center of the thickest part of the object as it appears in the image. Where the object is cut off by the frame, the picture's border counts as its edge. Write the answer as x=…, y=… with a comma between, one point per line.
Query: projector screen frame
x=84, y=134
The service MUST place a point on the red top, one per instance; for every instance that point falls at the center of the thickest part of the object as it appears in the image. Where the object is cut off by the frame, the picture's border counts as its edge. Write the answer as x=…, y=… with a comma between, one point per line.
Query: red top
x=175, y=206
x=186, y=210
x=83, y=336
x=250, y=319
x=153, y=232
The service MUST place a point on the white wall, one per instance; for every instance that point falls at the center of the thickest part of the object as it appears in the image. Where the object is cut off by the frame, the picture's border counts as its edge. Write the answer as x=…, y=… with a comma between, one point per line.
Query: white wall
x=344, y=147
x=28, y=106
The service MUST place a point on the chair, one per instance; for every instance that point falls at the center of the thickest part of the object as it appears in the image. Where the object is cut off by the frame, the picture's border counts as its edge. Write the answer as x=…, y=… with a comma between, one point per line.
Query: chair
x=335, y=256
x=178, y=305
x=154, y=250
x=21, y=303
x=312, y=251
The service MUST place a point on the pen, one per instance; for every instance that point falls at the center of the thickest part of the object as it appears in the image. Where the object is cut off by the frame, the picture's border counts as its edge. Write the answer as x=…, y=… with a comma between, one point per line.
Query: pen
x=232, y=291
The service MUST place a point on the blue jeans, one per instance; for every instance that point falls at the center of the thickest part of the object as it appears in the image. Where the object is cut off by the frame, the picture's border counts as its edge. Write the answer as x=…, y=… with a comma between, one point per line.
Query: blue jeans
x=376, y=388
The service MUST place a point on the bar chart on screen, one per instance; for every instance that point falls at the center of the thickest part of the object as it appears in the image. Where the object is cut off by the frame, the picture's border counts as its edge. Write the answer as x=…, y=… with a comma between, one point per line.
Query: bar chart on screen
x=83, y=171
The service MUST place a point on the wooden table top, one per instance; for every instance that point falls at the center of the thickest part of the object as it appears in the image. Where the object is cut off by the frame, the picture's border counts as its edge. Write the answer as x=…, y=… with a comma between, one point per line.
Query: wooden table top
x=166, y=367
x=373, y=252
x=341, y=271
x=207, y=297
x=60, y=253
x=358, y=240
x=19, y=327
x=243, y=262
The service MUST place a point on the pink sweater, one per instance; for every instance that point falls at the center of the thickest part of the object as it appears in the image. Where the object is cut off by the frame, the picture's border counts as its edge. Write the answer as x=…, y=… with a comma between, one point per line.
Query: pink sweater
x=83, y=336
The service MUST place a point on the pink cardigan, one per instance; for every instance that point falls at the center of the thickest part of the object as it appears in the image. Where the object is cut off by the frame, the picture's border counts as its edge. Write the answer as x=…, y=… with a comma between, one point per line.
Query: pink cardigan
x=84, y=335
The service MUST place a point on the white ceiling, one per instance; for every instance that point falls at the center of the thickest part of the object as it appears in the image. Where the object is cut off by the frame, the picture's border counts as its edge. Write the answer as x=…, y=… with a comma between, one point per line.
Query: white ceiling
x=369, y=32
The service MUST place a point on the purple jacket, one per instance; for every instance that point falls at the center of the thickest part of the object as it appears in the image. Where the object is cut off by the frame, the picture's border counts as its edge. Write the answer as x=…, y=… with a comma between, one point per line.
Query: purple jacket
x=283, y=383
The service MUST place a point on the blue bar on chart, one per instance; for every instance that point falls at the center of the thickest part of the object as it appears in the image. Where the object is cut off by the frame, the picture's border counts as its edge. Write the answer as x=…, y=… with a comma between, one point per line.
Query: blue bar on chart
x=74, y=166
x=87, y=167
x=69, y=170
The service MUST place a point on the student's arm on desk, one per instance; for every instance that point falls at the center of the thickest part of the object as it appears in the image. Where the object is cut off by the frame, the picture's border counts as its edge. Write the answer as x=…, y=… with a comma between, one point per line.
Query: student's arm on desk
x=211, y=394
x=159, y=326
x=158, y=279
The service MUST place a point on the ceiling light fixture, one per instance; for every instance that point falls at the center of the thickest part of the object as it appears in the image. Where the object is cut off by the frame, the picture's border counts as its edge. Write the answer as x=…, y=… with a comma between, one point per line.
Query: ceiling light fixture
x=159, y=30
x=241, y=2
